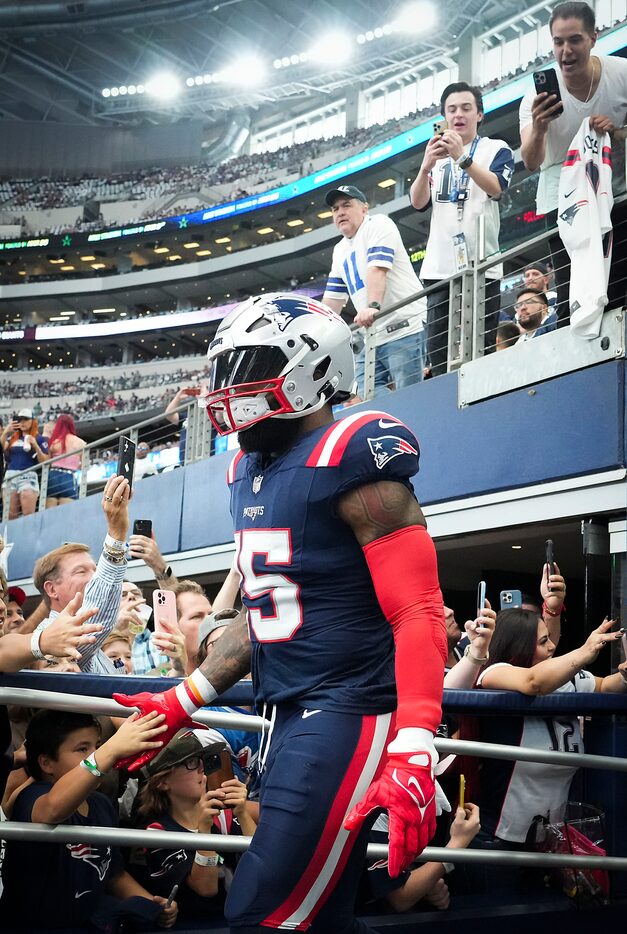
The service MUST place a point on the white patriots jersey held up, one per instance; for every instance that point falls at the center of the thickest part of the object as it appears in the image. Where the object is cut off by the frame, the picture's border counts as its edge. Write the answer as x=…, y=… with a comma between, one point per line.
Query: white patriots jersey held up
x=584, y=223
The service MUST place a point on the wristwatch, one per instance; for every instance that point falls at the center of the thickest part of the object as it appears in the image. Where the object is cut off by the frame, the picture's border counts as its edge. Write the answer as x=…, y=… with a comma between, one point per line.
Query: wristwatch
x=375, y=305
x=166, y=575
x=464, y=162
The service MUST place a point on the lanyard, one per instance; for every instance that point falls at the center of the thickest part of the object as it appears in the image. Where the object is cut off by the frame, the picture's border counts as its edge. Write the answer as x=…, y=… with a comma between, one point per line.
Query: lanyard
x=459, y=192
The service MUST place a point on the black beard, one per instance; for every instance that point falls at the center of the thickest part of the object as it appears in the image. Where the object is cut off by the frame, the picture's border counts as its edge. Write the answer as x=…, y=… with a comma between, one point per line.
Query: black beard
x=271, y=436
x=532, y=323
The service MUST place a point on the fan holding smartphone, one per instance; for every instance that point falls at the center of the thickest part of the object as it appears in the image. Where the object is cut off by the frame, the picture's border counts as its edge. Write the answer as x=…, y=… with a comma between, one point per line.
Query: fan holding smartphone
x=553, y=591
x=583, y=85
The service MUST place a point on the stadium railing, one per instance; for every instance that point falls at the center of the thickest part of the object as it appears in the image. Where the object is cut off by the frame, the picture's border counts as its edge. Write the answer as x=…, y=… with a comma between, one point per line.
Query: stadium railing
x=93, y=693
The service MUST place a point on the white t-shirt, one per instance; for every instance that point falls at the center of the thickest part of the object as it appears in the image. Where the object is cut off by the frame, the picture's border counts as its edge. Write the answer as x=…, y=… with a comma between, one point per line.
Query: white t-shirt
x=378, y=242
x=514, y=793
x=439, y=262
x=609, y=99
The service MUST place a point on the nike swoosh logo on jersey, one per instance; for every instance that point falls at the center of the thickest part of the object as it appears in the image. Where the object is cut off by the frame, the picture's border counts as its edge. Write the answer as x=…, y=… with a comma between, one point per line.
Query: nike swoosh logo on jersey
x=570, y=193
x=310, y=713
x=383, y=424
x=80, y=894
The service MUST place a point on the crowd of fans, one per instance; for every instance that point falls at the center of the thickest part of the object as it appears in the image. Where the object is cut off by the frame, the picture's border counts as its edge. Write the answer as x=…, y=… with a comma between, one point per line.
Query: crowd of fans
x=242, y=170
x=98, y=396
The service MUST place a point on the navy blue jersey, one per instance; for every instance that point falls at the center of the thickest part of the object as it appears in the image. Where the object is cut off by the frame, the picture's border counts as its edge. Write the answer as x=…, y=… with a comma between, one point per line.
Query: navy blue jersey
x=318, y=634
x=56, y=884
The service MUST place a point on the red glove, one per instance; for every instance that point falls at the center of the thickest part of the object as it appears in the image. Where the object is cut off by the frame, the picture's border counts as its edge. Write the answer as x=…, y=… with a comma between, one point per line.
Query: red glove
x=406, y=788
x=175, y=718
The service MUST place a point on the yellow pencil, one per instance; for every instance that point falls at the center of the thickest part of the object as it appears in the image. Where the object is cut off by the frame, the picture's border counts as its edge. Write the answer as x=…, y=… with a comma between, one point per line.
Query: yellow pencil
x=462, y=789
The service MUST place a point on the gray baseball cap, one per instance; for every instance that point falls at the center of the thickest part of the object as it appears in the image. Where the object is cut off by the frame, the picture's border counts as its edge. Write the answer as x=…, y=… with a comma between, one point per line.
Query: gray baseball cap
x=216, y=621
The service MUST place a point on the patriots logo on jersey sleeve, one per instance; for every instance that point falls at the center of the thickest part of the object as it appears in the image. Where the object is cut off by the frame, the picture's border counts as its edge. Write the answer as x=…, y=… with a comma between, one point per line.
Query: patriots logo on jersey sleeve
x=387, y=447
x=568, y=216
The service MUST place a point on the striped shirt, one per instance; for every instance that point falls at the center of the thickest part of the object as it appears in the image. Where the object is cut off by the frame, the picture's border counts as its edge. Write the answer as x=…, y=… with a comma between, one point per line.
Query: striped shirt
x=377, y=243
x=104, y=591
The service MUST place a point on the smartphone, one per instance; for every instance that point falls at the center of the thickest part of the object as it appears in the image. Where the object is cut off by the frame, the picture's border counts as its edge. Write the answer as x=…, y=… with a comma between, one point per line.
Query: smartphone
x=193, y=391
x=546, y=80
x=481, y=592
x=439, y=127
x=164, y=606
x=462, y=790
x=549, y=558
x=222, y=773
x=510, y=599
x=126, y=459
x=143, y=527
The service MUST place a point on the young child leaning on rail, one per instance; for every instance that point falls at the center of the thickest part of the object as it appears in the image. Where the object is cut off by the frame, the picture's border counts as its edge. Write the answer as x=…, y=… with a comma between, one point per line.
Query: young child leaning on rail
x=78, y=882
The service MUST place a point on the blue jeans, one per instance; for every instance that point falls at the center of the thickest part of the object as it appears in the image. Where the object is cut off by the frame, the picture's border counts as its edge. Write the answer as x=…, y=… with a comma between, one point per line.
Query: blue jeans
x=400, y=362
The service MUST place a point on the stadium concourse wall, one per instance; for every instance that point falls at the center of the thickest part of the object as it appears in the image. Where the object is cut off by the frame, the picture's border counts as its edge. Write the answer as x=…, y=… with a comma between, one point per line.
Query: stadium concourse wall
x=543, y=438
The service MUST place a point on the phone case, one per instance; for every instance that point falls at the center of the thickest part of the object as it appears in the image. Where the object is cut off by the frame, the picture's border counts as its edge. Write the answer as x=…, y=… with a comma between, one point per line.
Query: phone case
x=510, y=599
x=142, y=527
x=546, y=80
x=126, y=459
x=164, y=607
x=481, y=595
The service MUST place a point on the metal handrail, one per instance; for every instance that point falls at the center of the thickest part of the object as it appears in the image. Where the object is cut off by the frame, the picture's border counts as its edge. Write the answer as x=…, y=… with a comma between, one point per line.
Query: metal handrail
x=223, y=843
x=57, y=700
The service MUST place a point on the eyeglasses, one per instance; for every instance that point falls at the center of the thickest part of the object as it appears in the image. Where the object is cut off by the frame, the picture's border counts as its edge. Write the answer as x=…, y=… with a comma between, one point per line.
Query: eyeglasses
x=191, y=764
x=532, y=301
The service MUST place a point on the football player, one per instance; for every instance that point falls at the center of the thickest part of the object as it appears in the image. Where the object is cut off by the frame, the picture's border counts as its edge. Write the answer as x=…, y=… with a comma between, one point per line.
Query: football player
x=343, y=620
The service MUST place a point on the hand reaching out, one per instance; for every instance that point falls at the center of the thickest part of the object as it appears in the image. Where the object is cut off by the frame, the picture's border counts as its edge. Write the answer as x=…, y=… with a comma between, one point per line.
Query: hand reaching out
x=68, y=631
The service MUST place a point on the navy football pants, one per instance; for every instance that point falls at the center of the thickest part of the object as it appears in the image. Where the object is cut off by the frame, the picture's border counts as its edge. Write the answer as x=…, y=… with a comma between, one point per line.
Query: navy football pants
x=302, y=869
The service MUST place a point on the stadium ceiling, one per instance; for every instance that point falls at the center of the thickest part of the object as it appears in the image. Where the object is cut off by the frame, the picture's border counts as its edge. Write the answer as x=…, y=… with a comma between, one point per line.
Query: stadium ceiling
x=55, y=58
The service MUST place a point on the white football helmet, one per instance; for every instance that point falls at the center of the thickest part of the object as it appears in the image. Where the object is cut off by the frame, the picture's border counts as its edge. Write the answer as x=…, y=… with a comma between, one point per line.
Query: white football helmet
x=277, y=356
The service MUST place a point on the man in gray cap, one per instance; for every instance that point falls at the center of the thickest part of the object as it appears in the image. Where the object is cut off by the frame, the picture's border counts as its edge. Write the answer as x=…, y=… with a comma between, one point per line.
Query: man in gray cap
x=371, y=268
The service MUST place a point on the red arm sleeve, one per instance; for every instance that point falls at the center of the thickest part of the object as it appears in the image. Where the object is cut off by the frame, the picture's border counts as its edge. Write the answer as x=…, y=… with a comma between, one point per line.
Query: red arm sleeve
x=404, y=571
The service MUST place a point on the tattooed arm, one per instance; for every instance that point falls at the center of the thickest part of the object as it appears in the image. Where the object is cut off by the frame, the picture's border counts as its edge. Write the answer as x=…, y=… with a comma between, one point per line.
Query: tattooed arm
x=377, y=509
x=228, y=661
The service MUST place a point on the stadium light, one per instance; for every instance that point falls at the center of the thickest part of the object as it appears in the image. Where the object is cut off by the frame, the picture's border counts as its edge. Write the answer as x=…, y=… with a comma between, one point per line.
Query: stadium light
x=333, y=49
x=248, y=70
x=164, y=85
x=416, y=17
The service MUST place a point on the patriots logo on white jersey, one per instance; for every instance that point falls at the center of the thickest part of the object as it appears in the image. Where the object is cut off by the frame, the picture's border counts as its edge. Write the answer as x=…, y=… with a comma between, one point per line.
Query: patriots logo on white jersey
x=387, y=447
x=568, y=216
x=97, y=857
